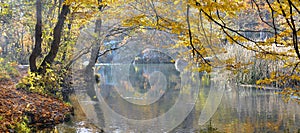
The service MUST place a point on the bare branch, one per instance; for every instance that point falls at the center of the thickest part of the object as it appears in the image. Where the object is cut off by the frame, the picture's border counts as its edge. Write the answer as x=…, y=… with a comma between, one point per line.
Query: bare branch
x=264, y=21
x=295, y=36
x=191, y=38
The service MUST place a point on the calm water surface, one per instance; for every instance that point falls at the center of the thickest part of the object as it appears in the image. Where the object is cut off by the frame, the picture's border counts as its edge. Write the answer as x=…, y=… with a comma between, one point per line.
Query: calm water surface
x=239, y=110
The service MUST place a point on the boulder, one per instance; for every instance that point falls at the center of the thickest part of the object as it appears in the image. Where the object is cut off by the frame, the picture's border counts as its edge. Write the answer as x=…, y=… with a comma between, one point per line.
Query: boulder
x=149, y=56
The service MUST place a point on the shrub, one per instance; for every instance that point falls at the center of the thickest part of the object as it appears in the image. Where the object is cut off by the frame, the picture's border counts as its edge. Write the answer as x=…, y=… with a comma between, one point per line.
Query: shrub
x=46, y=84
x=7, y=70
x=22, y=127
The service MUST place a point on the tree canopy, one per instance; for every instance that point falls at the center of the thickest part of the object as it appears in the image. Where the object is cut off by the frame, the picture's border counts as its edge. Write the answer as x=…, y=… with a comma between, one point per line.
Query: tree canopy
x=265, y=30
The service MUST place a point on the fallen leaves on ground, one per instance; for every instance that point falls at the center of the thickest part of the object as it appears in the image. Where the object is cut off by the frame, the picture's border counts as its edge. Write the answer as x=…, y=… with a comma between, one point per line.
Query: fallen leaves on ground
x=41, y=111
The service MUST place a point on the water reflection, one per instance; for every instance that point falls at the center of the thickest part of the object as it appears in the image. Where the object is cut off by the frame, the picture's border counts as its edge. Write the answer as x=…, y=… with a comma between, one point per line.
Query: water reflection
x=141, y=108
x=253, y=110
x=241, y=109
x=246, y=110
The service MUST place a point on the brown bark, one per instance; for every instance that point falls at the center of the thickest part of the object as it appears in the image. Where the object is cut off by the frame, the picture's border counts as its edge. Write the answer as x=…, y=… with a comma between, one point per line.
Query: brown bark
x=56, y=39
x=90, y=78
x=38, y=37
x=94, y=53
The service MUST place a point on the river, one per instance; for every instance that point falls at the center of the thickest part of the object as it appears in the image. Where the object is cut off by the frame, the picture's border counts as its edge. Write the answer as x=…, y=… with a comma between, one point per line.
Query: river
x=158, y=98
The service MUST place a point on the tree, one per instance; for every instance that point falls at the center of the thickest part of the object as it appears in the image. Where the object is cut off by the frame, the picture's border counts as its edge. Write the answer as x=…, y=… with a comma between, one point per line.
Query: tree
x=269, y=29
x=57, y=33
x=38, y=37
x=203, y=26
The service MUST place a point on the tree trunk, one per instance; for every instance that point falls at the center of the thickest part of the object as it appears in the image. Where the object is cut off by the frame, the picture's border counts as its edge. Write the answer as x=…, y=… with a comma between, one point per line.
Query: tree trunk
x=96, y=47
x=48, y=60
x=38, y=37
x=89, y=70
x=90, y=76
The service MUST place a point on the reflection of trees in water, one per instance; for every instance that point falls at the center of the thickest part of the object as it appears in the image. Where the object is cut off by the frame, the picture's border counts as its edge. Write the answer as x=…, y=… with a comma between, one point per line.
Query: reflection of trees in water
x=245, y=110
x=140, y=75
x=125, y=108
x=256, y=110
x=148, y=62
x=137, y=80
x=251, y=110
x=190, y=124
x=209, y=128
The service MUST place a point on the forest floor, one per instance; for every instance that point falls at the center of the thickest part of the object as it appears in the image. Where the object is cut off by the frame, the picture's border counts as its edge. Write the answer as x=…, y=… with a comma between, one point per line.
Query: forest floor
x=39, y=111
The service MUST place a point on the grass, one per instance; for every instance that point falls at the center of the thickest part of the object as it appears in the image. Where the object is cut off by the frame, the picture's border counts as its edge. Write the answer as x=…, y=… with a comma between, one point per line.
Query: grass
x=259, y=67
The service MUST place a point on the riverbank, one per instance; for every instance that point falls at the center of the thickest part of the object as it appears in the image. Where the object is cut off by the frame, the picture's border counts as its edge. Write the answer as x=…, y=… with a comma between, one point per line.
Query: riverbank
x=260, y=87
x=21, y=109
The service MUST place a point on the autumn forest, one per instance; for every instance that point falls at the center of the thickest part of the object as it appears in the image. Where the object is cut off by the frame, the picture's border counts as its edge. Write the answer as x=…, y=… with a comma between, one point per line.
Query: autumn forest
x=61, y=60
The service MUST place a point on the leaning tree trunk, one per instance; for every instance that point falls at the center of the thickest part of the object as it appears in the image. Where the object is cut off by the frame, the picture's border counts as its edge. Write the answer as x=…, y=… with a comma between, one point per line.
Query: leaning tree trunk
x=56, y=39
x=89, y=74
x=38, y=37
x=89, y=69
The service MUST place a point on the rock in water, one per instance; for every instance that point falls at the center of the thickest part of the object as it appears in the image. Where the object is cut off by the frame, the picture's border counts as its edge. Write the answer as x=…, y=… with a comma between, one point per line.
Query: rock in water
x=180, y=64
